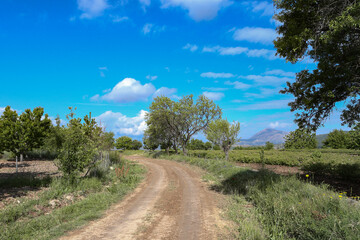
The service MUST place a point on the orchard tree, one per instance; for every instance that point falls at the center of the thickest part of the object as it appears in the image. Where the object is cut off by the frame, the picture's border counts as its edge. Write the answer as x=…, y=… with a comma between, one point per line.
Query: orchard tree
x=196, y=144
x=221, y=132
x=337, y=139
x=136, y=145
x=184, y=118
x=300, y=139
x=54, y=140
x=20, y=134
x=328, y=33
x=124, y=143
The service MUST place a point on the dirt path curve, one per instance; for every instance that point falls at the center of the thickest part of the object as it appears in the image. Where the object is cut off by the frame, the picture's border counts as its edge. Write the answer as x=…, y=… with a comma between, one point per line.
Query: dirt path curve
x=172, y=203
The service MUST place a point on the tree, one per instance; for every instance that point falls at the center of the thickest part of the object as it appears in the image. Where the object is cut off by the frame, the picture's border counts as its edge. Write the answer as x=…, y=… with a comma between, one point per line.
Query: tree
x=196, y=144
x=149, y=143
x=55, y=139
x=81, y=147
x=124, y=143
x=326, y=31
x=182, y=119
x=221, y=132
x=300, y=139
x=20, y=134
x=354, y=137
x=207, y=146
x=269, y=146
x=108, y=140
x=337, y=139
x=136, y=145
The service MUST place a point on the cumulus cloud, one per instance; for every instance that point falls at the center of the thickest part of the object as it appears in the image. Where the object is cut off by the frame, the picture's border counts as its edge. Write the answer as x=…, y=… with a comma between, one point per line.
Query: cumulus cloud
x=217, y=75
x=278, y=124
x=191, y=47
x=121, y=124
x=127, y=90
x=274, y=104
x=198, y=9
x=167, y=92
x=255, y=34
x=238, y=85
x=279, y=72
x=151, y=78
x=92, y=8
x=214, y=95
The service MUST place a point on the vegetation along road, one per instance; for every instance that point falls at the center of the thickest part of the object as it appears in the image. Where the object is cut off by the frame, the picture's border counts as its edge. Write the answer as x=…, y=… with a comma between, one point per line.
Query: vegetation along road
x=172, y=203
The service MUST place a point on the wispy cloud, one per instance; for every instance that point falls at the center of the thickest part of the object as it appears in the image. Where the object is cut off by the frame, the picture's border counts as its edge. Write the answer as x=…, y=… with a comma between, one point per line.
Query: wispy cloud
x=167, y=92
x=267, y=80
x=238, y=85
x=198, y=9
x=118, y=19
x=92, y=8
x=152, y=28
x=274, y=104
x=278, y=124
x=217, y=75
x=255, y=35
x=191, y=47
x=232, y=51
x=279, y=72
x=151, y=78
x=214, y=89
x=264, y=7
x=216, y=96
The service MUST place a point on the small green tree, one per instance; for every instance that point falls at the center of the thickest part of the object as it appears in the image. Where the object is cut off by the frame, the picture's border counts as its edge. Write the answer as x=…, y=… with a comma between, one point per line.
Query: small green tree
x=149, y=143
x=124, y=143
x=269, y=146
x=354, y=137
x=196, y=144
x=81, y=146
x=207, y=146
x=337, y=139
x=221, y=132
x=136, y=145
x=300, y=139
x=108, y=140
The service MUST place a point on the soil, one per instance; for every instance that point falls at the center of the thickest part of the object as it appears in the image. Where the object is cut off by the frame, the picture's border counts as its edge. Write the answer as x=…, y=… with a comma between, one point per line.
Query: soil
x=172, y=203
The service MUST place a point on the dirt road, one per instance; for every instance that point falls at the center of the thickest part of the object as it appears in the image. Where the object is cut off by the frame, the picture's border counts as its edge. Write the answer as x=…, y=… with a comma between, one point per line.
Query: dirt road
x=172, y=203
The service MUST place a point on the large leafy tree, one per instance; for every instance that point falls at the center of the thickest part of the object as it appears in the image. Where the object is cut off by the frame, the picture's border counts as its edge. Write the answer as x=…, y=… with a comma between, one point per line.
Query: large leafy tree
x=221, y=132
x=337, y=139
x=300, y=139
x=20, y=134
x=184, y=118
x=124, y=143
x=327, y=32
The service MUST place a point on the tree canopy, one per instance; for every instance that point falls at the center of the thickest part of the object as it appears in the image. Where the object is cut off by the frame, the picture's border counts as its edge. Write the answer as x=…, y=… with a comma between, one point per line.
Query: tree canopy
x=179, y=121
x=327, y=32
x=300, y=139
x=221, y=132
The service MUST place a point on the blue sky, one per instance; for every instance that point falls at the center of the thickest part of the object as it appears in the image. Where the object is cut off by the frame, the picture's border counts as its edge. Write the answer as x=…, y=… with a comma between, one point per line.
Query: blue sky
x=111, y=57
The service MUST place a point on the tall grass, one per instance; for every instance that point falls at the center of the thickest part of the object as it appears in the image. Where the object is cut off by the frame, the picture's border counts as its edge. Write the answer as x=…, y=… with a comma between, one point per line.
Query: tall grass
x=269, y=206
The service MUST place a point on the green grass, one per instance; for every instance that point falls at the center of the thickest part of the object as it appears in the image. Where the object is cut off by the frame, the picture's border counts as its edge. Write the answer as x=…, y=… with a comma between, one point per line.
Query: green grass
x=93, y=196
x=341, y=163
x=269, y=206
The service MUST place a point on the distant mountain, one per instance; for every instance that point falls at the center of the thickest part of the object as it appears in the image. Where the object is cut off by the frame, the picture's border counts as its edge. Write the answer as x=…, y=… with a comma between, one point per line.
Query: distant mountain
x=266, y=135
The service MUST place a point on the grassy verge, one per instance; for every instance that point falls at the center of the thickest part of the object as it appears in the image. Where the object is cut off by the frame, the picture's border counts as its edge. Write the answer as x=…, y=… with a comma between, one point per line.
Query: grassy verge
x=268, y=206
x=64, y=206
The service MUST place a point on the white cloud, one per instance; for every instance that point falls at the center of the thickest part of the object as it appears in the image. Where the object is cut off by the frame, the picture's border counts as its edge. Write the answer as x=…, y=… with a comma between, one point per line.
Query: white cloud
x=255, y=34
x=128, y=90
x=152, y=28
x=217, y=75
x=265, y=53
x=92, y=8
x=214, y=95
x=151, y=78
x=167, y=92
x=274, y=104
x=198, y=9
x=215, y=89
x=238, y=85
x=117, y=19
x=266, y=8
x=145, y=3
x=279, y=72
x=264, y=92
x=191, y=47
x=121, y=124
x=267, y=80
x=278, y=124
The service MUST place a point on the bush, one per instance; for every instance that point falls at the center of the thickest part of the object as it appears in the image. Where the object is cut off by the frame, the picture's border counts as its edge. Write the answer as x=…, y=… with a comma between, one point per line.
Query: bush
x=269, y=146
x=300, y=139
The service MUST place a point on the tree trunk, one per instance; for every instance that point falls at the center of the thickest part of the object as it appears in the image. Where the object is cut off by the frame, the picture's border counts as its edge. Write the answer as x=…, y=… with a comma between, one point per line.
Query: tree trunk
x=21, y=158
x=167, y=151
x=185, y=151
x=16, y=163
x=226, y=155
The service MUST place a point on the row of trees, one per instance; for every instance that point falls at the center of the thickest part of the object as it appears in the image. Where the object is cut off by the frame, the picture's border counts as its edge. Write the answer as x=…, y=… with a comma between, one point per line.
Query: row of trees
x=126, y=143
x=339, y=139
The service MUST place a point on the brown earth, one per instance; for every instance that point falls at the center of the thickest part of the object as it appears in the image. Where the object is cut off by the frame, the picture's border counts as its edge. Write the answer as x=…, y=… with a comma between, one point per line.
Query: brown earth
x=172, y=203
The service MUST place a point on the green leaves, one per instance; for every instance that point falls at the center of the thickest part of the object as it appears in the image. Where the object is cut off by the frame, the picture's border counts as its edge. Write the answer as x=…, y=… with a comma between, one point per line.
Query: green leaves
x=221, y=132
x=326, y=31
x=300, y=139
